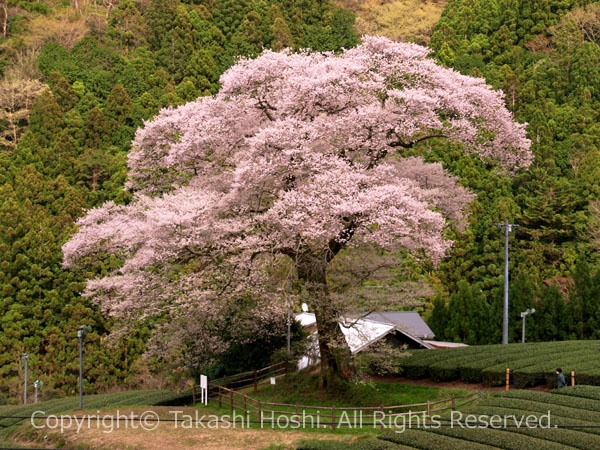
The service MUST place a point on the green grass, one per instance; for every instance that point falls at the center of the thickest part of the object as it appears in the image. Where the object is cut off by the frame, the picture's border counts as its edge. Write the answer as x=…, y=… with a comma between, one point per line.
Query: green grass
x=11, y=445
x=304, y=390
x=298, y=396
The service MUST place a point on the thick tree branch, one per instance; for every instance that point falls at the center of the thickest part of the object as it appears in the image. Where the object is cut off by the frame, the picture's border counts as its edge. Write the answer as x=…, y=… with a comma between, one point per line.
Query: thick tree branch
x=265, y=107
x=411, y=144
x=339, y=242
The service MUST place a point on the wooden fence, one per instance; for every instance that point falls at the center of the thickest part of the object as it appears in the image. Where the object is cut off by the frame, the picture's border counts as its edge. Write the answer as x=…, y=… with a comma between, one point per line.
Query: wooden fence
x=282, y=415
x=241, y=380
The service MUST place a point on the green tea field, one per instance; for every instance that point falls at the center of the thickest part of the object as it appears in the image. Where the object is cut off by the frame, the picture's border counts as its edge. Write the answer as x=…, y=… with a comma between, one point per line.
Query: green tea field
x=531, y=364
x=568, y=418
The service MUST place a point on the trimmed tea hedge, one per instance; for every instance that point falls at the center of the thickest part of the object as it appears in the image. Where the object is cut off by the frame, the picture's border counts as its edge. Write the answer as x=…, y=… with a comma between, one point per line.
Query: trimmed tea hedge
x=564, y=436
x=426, y=440
x=571, y=418
x=556, y=420
x=579, y=402
x=531, y=364
x=18, y=414
x=365, y=444
x=557, y=410
x=590, y=392
x=500, y=438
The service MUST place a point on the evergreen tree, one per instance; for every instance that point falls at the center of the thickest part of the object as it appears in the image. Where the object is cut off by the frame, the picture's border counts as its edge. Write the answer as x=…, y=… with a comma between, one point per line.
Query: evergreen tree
x=439, y=318
x=126, y=25
x=469, y=315
x=550, y=321
x=63, y=92
x=117, y=113
x=584, y=302
x=46, y=119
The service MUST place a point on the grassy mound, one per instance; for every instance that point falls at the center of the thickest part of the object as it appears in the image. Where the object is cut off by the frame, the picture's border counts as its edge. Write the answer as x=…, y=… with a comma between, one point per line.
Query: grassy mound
x=300, y=388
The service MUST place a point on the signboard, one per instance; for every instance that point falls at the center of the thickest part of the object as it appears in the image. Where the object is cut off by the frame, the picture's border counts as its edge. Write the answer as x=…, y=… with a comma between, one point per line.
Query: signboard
x=204, y=389
x=273, y=380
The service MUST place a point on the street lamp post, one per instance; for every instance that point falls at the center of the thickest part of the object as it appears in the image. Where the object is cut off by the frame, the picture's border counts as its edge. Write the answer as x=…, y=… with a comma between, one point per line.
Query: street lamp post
x=26, y=360
x=524, y=315
x=81, y=331
x=37, y=384
x=508, y=227
x=289, y=317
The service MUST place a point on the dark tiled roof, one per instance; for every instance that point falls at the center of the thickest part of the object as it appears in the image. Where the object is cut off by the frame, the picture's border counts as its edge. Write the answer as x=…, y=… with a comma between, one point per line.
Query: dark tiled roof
x=409, y=321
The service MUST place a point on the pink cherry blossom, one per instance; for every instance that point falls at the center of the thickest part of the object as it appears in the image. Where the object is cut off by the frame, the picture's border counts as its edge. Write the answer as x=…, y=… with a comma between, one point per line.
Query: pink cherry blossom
x=299, y=155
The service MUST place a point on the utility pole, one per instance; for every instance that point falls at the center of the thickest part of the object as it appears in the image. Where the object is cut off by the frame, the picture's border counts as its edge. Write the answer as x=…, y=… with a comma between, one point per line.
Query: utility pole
x=508, y=227
x=26, y=360
x=80, y=334
x=81, y=331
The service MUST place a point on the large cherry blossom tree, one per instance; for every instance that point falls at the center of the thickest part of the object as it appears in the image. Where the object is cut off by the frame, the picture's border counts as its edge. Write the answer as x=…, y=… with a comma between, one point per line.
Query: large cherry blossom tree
x=298, y=156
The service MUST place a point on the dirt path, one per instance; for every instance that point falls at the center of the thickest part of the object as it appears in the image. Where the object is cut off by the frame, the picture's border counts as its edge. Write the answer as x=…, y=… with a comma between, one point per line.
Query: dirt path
x=165, y=428
x=165, y=437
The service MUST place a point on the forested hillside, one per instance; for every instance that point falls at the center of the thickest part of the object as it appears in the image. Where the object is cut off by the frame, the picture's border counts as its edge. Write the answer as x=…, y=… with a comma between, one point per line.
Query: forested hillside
x=77, y=81
x=79, y=77
x=545, y=55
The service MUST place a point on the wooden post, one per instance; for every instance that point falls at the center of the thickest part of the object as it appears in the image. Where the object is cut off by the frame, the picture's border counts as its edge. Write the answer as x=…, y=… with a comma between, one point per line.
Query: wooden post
x=453, y=403
x=231, y=401
x=428, y=407
x=220, y=396
x=333, y=418
x=260, y=413
x=382, y=415
x=507, y=379
x=255, y=381
x=572, y=378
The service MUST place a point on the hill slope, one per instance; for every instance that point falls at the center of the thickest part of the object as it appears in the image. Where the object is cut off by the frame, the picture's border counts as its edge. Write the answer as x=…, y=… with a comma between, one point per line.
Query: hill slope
x=402, y=20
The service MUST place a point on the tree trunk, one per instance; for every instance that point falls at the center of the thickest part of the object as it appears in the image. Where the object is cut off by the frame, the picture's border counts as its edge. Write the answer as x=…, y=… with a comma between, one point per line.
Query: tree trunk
x=4, y=17
x=336, y=357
